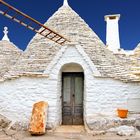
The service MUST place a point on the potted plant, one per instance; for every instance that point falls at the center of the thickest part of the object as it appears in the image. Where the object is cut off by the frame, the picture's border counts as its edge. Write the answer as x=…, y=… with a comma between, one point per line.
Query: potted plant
x=122, y=113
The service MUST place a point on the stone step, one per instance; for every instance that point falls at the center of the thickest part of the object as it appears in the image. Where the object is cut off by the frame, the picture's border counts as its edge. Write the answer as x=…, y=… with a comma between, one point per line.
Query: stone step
x=70, y=129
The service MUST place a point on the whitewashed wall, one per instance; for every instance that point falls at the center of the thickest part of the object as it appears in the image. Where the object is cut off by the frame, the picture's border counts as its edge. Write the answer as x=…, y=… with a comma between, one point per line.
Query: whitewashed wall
x=104, y=96
x=100, y=95
x=18, y=96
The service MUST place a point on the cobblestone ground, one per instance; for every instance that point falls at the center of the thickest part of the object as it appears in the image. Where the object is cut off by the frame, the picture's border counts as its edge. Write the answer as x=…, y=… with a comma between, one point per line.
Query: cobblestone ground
x=63, y=136
x=3, y=136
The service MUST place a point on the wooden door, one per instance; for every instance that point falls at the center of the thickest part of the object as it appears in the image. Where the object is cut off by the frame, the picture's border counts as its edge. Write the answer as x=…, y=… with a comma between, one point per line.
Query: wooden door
x=72, y=101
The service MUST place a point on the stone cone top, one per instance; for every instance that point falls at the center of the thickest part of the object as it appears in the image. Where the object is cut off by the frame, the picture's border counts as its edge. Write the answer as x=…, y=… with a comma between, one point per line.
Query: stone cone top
x=65, y=3
x=6, y=44
x=5, y=37
x=41, y=51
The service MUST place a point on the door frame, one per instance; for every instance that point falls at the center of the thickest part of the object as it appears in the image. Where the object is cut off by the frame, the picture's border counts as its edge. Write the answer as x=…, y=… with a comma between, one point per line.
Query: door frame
x=72, y=74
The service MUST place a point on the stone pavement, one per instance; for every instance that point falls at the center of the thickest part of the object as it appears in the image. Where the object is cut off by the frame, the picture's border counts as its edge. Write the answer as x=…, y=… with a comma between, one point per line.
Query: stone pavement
x=63, y=133
x=3, y=136
x=74, y=136
x=64, y=136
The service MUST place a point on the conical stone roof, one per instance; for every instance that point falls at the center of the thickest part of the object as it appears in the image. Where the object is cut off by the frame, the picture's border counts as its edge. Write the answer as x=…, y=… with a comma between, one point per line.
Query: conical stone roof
x=137, y=51
x=135, y=60
x=67, y=22
x=9, y=54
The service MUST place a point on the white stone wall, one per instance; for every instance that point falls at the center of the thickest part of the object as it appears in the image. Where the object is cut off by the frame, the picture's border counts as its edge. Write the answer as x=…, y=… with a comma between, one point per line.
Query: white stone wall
x=18, y=96
x=104, y=96
x=101, y=96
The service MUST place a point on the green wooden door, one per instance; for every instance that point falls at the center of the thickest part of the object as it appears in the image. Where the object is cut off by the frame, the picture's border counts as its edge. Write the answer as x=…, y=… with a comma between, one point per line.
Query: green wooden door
x=72, y=101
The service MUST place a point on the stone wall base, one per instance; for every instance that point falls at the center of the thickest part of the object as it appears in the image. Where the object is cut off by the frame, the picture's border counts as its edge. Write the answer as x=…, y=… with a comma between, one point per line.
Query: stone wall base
x=94, y=125
x=103, y=124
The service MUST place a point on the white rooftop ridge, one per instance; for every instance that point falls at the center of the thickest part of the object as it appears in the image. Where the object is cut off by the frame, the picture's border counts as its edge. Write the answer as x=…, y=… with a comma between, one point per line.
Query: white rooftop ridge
x=65, y=3
x=5, y=37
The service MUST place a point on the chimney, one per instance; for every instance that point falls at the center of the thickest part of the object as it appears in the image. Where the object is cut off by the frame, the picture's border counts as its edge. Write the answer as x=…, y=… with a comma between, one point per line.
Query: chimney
x=112, y=32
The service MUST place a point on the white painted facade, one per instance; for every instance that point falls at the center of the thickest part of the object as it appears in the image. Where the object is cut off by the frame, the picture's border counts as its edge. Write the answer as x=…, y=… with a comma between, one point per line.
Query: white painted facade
x=101, y=95
x=36, y=74
x=112, y=33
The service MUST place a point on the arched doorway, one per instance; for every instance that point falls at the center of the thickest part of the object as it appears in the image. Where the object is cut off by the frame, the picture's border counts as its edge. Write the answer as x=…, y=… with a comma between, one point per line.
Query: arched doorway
x=72, y=94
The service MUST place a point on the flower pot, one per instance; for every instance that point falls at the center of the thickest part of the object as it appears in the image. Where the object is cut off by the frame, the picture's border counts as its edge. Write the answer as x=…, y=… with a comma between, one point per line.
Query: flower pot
x=122, y=113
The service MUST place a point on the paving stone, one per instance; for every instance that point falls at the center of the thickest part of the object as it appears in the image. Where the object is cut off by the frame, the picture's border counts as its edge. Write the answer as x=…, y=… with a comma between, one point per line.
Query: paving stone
x=3, y=136
x=4, y=122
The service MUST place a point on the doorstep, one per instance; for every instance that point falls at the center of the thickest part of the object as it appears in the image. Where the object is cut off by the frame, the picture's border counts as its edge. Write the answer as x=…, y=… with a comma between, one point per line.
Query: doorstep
x=70, y=129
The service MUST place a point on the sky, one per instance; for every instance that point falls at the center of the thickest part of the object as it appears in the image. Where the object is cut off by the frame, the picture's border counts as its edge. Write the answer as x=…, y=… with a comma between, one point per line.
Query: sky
x=92, y=11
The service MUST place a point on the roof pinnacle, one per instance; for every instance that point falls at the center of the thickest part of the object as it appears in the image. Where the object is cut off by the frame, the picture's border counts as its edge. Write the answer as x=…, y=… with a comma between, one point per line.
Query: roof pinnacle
x=65, y=3
x=5, y=37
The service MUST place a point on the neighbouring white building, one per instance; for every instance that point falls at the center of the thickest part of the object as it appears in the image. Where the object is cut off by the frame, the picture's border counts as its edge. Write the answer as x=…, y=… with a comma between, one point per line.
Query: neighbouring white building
x=82, y=81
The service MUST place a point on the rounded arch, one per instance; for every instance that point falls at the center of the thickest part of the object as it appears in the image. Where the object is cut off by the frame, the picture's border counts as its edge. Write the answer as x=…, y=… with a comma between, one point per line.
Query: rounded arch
x=72, y=67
